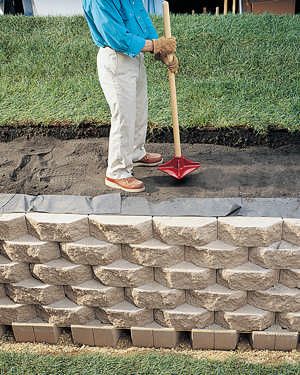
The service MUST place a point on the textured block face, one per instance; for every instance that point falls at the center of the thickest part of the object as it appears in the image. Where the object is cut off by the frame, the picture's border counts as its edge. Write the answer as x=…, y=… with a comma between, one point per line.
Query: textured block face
x=290, y=320
x=91, y=251
x=192, y=231
x=124, y=274
x=12, y=226
x=155, y=296
x=217, y=254
x=248, y=277
x=249, y=231
x=245, y=319
x=29, y=249
x=184, y=317
x=277, y=298
x=291, y=230
x=290, y=278
x=217, y=298
x=11, y=272
x=32, y=291
x=121, y=229
x=57, y=227
x=93, y=293
x=153, y=253
x=65, y=312
x=62, y=272
x=13, y=312
x=279, y=255
x=185, y=275
x=125, y=315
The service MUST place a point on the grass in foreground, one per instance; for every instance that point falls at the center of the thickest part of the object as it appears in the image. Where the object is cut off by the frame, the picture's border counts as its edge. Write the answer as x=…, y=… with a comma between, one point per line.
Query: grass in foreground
x=142, y=364
x=235, y=70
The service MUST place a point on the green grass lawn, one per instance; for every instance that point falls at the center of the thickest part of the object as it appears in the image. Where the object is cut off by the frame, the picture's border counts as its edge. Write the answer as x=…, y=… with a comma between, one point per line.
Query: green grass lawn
x=235, y=70
x=145, y=364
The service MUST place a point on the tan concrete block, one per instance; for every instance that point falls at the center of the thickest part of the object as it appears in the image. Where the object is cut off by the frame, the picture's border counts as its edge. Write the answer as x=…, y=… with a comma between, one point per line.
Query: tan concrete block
x=62, y=272
x=12, y=272
x=46, y=333
x=185, y=275
x=286, y=341
x=263, y=340
x=153, y=253
x=277, y=298
x=290, y=278
x=121, y=229
x=65, y=312
x=184, y=317
x=91, y=251
x=189, y=231
x=12, y=225
x=29, y=249
x=32, y=291
x=23, y=332
x=249, y=231
x=106, y=335
x=225, y=339
x=217, y=254
x=217, y=298
x=203, y=339
x=122, y=273
x=125, y=315
x=142, y=337
x=248, y=276
x=291, y=230
x=278, y=255
x=275, y=338
x=83, y=334
x=15, y=312
x=57, y=227
x=290, y=320
x=165, y=338
x=155, y=296
x=93, y=293
x=246, y=319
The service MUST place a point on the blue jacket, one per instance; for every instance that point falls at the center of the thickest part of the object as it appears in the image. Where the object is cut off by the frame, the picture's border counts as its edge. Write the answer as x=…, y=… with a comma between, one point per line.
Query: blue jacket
x=153, y=6
x=123, y=25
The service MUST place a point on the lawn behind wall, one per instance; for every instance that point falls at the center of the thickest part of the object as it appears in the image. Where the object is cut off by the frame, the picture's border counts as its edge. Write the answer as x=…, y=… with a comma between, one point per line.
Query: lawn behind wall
x=235, y=70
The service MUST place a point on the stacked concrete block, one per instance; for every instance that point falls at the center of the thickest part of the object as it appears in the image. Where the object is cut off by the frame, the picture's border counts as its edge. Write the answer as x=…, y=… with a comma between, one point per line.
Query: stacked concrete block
x=100, y=274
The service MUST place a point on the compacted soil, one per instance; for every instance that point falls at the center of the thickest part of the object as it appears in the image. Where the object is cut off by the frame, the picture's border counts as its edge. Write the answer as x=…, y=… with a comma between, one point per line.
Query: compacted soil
x=46, y=165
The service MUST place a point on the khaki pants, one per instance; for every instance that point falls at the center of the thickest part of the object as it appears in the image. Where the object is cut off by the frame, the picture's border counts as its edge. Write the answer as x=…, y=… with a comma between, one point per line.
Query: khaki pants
x=124, y=83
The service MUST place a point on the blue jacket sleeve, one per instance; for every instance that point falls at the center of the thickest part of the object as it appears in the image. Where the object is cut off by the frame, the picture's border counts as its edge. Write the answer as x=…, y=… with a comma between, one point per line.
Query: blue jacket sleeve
x=113, y=30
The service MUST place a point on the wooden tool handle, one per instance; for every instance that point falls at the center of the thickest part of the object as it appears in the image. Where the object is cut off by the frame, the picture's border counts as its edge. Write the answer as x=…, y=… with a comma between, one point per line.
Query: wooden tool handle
x=174, y=108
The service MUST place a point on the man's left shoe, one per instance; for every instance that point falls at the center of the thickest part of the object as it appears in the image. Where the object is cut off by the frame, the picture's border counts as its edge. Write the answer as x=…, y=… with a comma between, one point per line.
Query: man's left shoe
x=149, y=160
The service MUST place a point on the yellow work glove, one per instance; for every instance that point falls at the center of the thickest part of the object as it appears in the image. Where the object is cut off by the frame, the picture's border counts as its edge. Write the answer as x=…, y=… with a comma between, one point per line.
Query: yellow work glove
x=164, y=46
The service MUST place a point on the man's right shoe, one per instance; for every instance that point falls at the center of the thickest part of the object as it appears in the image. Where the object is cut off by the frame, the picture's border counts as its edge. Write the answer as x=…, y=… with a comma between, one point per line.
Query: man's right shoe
x=129, y=184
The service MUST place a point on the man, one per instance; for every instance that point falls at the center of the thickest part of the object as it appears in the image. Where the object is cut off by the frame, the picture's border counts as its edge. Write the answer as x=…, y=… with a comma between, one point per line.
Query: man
x=123, y=31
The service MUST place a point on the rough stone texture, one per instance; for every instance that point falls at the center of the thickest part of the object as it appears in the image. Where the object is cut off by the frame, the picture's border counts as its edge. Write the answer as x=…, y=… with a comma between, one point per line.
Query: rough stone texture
x=290, y=278
x=246, y=319
x=65, y=312
x=91, y=251
x=290, y=320
x=57, y=227
x=121, y=229
x=124, y=274
x=249, y=231
x=277, y=298
x=125, y=315
x=12, y=226
x=217, y=254
x=32, y=291
x=192, y=231
x=30, y=249
x=185, y=276
x=153, y=253
x=278, y=255
x=62, y=272
x=291, y=230
x=155, y=296
x=184, y=317
x=93, y=293
x=248, y=276
x=12, y=272
x=15, y=312
x=216, y=298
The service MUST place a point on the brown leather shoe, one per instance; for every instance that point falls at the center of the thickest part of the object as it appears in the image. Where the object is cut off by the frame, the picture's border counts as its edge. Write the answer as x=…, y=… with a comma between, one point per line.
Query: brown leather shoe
x=130, y=184
x=149, y=160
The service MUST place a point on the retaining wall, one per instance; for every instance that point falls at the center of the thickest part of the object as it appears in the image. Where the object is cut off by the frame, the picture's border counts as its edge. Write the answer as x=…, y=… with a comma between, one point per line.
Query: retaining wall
x=158, y=276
